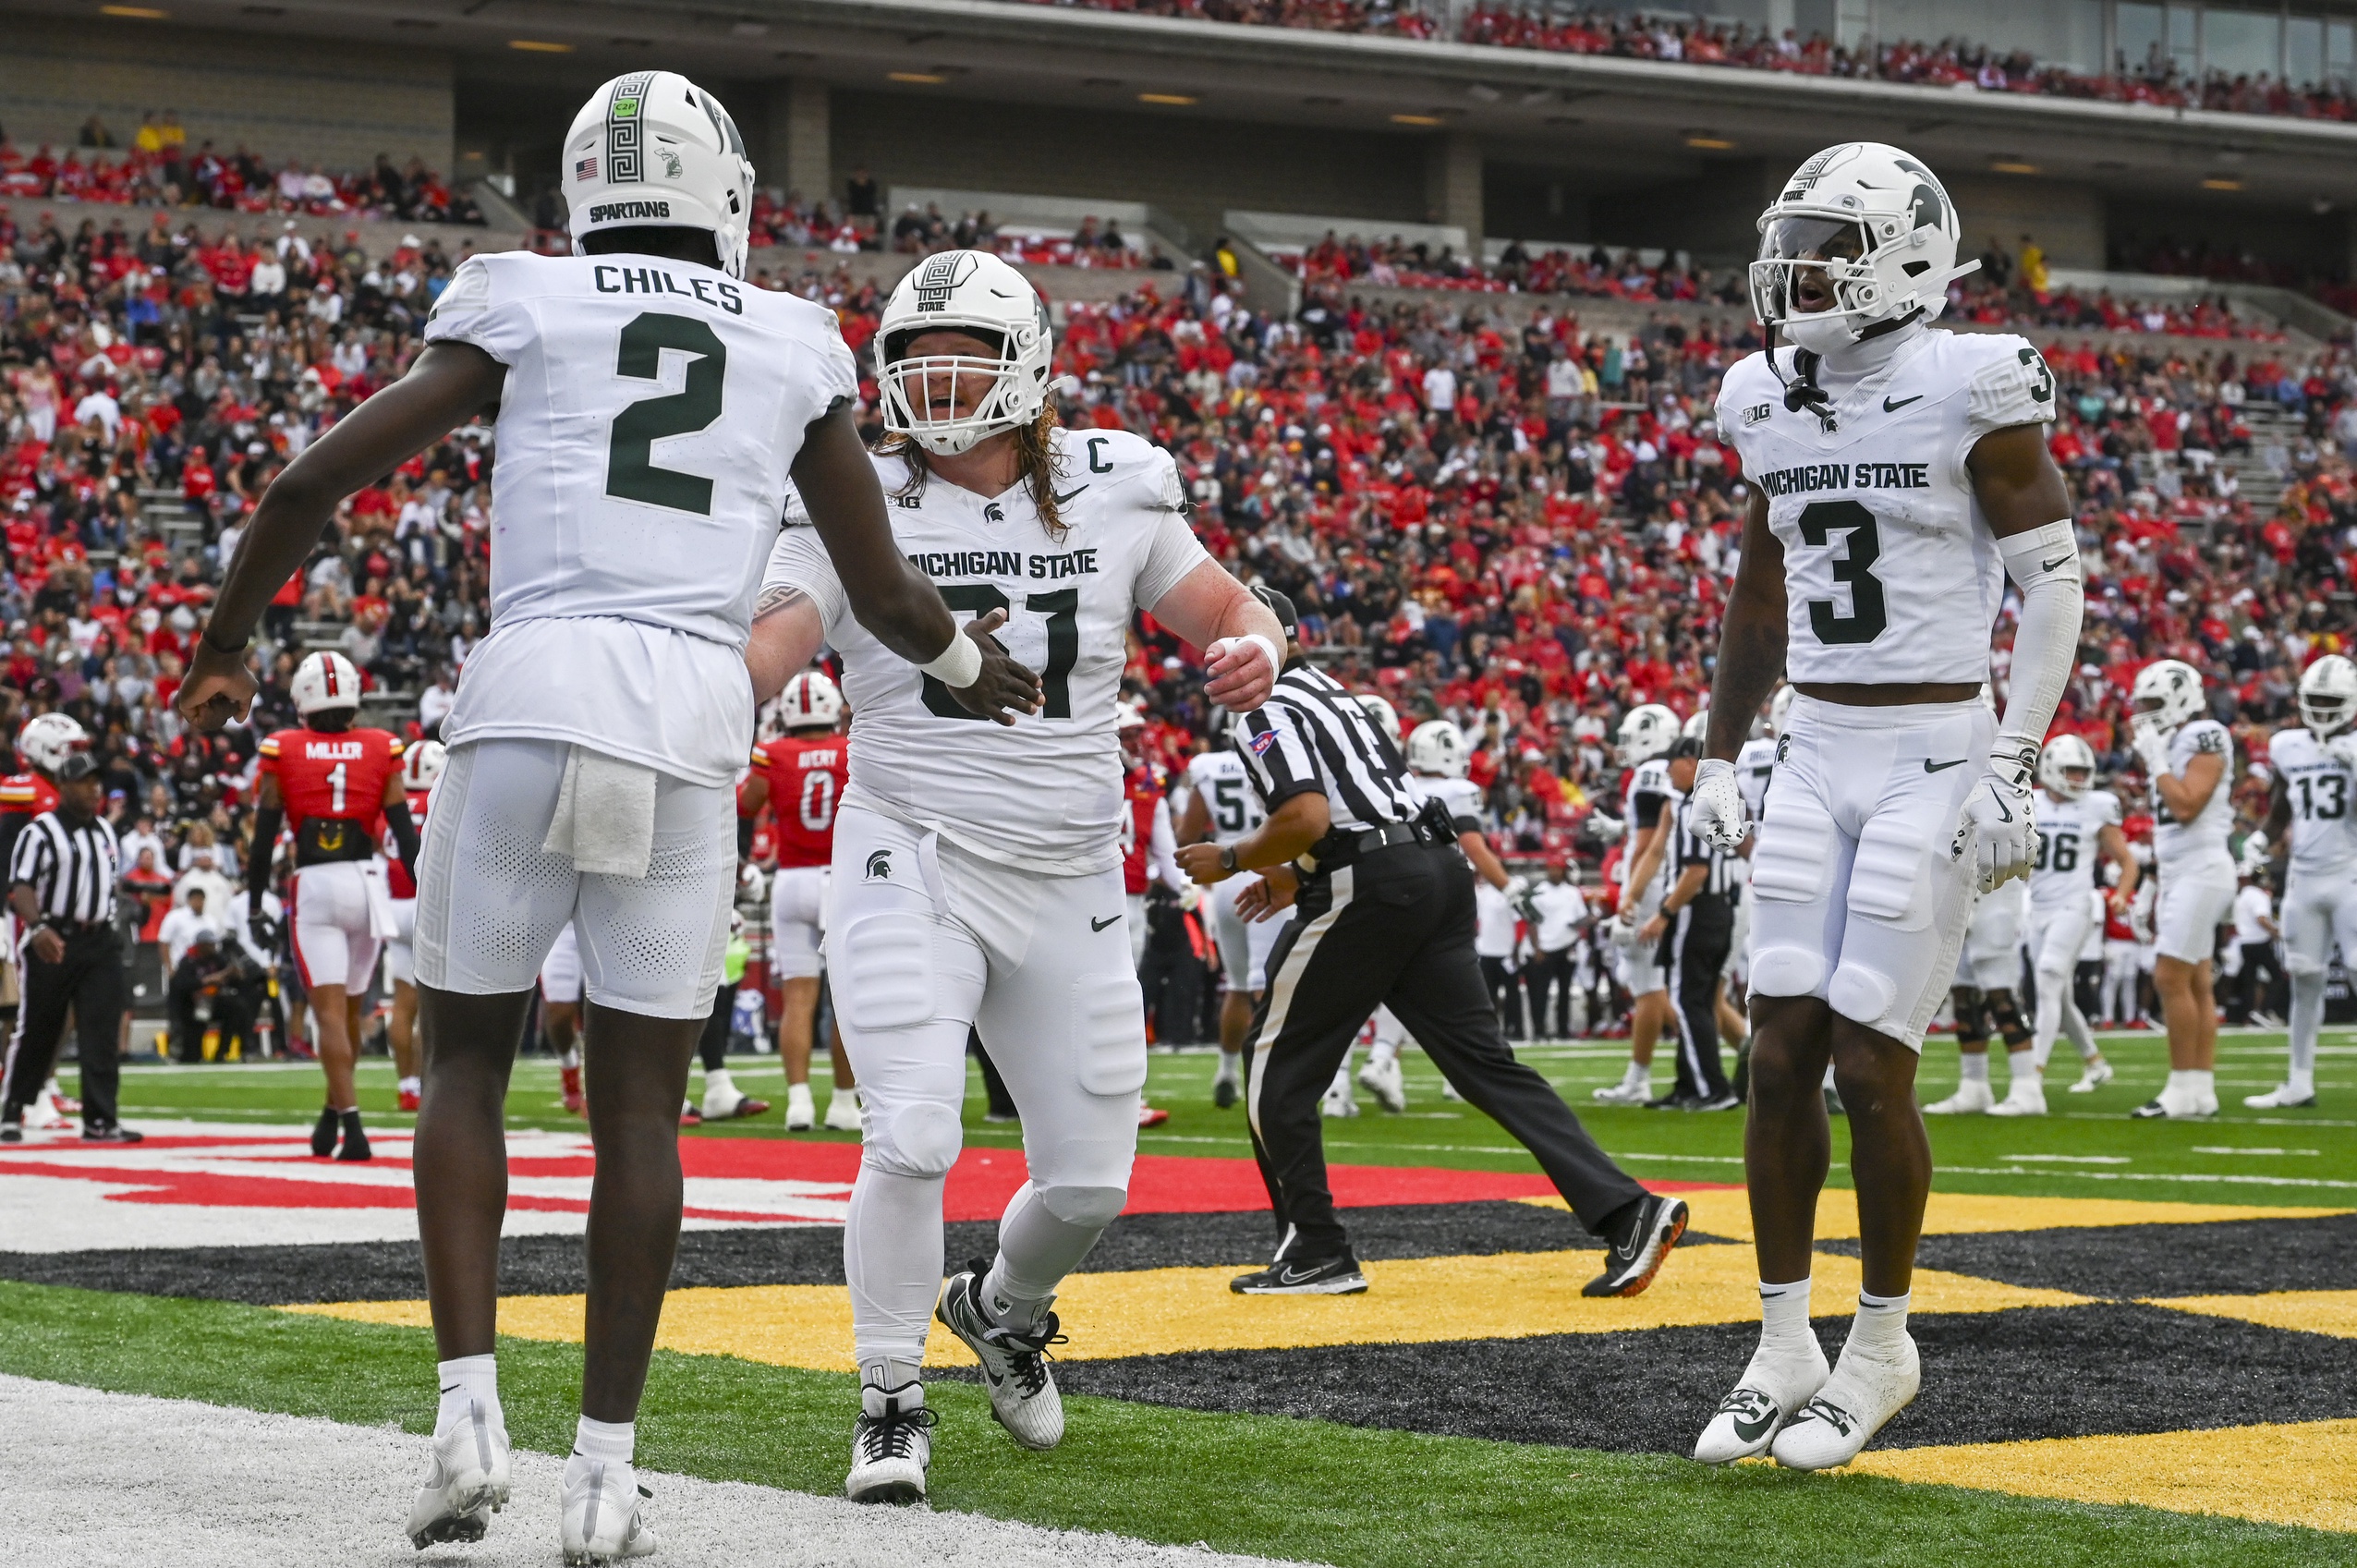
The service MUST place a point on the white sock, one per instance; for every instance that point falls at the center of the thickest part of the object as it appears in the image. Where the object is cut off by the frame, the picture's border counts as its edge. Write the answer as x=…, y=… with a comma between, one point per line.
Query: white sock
x=1784, y=1317
x=1383, y=1053
x=1975, y=1067
x=2302, y=1082
x=2023, y=1065
x=1638, y=1075
x=1881, y=1324
x=1231, y=1063
x=616, y=1442
x=718, y=1085
x=2176, y=1084
x=464, y=1380
x=798, y=1094
x=572, y=1057
x=2201, y=1081
x=411, y=1086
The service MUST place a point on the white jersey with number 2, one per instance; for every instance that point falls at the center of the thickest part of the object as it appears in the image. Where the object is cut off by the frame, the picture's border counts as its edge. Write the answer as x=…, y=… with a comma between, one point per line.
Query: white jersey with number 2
x=652, y=411
x=1045, y=794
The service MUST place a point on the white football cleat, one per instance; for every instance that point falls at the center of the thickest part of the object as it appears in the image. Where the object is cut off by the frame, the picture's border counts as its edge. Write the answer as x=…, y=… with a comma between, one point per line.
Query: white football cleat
x=602, y=1521
x=2024, y=1096
x=1625, y=1093
x=467, y=1484
x=891, y=1445
x=1771, y=1388
x=1861, y=1397
x=2175, y=1105
x=842, y=1112
x=1339, y=1100
x=2092, y=1077
x=44, y=1116
x=801, y=1114
x=1972, y=1097
x=1015, y=1365
x=1386, y=1083
x=2280, y=1098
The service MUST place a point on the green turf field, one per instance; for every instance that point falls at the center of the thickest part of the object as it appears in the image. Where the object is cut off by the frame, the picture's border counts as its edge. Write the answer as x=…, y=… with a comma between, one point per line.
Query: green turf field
x=1171, y=1467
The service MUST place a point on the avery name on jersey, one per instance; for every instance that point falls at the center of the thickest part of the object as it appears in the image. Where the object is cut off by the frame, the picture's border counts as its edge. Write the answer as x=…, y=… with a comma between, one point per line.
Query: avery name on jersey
x=1004, y=563
x=1846, y=476
x=654, y=280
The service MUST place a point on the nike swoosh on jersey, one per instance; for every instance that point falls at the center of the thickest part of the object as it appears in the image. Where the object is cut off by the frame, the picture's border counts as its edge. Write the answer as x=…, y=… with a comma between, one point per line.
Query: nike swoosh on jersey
x=1932, y=767
x=1065, y=500
x=1097, y=925
x=1889, y=407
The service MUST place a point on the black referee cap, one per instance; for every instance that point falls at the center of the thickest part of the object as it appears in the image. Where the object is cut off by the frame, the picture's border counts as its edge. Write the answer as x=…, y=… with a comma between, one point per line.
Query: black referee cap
x=1282, y=607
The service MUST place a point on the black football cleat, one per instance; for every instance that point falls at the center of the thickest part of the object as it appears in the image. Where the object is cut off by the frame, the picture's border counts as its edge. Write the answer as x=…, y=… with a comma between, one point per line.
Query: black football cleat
x=1304, y=1276
x=1637, y=1254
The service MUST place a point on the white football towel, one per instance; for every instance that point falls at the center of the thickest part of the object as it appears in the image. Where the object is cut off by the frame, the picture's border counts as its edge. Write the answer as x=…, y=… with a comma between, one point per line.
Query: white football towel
x=605, y=815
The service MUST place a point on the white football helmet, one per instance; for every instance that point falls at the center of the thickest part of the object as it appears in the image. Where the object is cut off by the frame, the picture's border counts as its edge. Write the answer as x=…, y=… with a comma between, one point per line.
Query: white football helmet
x=1438, y=749
x=811, y=702
x=1386, y=717
x=1878, y=223
x=325, y=680
x=46, y=741
x=421, y=766
x=974, y=292
x=2254, y=859
x=2174, y=689
x=1647, y=731
x=1779, y=708
x=2328, y=695
x=2065, y=755
x=1697, y=727
x=650, y=149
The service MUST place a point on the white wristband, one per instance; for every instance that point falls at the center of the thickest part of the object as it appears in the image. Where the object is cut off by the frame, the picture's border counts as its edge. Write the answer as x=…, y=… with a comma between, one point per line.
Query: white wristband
x=958, y=665
x=1276, y=661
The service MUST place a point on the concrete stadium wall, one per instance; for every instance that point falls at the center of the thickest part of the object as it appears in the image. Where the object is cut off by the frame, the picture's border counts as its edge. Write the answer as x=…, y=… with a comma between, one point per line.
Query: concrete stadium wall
x=334, y=103
x=1196, y=169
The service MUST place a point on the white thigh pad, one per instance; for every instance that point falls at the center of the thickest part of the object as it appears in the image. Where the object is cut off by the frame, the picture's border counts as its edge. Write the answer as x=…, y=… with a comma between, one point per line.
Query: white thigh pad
x=1109, y=1039
x=1794, y=852
x=1887, y=881
x=888, y=962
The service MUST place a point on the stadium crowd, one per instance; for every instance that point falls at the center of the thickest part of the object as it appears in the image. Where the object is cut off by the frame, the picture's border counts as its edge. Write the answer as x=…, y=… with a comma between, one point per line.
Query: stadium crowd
x=1527, y=528
x=1638, y=34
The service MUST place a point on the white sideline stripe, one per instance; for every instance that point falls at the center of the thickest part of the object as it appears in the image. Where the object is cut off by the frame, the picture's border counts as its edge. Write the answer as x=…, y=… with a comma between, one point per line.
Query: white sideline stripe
x=97, y=1480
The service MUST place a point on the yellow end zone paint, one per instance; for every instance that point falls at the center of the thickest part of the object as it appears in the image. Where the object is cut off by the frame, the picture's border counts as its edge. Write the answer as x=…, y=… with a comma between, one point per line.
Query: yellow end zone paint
x=2308, y=1311
x=2296, y=1474
x=1727, y=1212
x=1158, y=1311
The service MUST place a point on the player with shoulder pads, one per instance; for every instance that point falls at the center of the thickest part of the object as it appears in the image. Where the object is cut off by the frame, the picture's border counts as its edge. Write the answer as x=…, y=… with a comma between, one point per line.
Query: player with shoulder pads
x=652, y=410
x=2313, y=817
x=421, y=768
x=800, y=775
x=337, y=788
x=2189, y=764
x=1898, y=474
x=1645, y=736
x=978, y=868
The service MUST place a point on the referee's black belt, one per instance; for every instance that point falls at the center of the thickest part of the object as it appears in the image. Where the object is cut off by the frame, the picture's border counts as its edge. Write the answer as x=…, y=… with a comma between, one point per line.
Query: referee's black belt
x=1339, y=849
x=65, y=928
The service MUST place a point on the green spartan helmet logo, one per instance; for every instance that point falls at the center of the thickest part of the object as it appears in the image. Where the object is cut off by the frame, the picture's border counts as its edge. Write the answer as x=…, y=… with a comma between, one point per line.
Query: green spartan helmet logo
x=880, y=866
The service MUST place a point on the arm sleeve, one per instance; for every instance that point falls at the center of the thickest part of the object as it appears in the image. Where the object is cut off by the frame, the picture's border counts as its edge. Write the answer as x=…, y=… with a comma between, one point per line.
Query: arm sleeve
x=1163, y=848
x=2045, y=562
x=1276, y=755
x=800, y=561
x=468, y=312
x=1645, y=809
x=1173, y=551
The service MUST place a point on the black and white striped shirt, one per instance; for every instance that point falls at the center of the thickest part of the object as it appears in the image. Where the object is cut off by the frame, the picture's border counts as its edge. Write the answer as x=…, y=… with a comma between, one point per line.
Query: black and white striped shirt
x=71, y=869
x=1313, y=735
x=1692, y=849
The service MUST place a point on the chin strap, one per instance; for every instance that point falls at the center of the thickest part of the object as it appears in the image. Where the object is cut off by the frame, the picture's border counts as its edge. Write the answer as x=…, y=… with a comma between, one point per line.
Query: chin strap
x=1802, y=391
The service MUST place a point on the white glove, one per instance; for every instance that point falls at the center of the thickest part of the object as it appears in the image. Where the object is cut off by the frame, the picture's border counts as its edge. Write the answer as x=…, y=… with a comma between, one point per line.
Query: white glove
x=2151, y=747
x=1619, y=933
x=1604, y=829
x=1515, y=888
x=1189, y=896
x=1718, y=804
x=1996, y=827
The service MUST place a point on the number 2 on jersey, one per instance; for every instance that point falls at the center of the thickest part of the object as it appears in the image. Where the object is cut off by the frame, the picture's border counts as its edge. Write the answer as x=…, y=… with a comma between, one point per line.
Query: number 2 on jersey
x=1868, y=617
x=630, y=471
x=1062, y=609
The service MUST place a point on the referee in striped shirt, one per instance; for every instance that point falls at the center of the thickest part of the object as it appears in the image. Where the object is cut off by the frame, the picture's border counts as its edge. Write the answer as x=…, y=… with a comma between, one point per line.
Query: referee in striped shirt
x=61, y=878
x=1384, y=914
x=1695, y=929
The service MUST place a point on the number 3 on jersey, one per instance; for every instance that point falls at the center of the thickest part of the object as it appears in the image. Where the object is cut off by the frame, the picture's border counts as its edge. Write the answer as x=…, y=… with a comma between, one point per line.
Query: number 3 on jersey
x=1062, y=609
x=1869, y=616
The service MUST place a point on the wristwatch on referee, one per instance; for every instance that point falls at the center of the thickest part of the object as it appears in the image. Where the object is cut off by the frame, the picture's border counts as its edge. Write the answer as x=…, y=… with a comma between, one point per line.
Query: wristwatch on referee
x=1227, y=858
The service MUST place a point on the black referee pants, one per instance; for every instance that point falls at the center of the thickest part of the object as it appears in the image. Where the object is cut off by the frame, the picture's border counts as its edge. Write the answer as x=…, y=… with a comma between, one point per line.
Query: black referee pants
x=1694, y=952
x=88, y=979
x=1396, y=927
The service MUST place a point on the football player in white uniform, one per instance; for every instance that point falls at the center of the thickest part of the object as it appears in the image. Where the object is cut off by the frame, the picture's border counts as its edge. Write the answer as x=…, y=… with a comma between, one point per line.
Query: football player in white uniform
x=1988, y=970
x=2313, y=816
x=650, y=408
x=989, y=894
x=421, y=768
x=1898, y=474
x=2078, y=827
x=1647, y=734
x=1221, y=805
x=2189, y=761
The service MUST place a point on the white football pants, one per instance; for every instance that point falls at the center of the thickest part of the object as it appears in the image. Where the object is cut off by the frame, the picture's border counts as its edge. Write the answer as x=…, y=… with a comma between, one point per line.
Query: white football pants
x=2319, y=909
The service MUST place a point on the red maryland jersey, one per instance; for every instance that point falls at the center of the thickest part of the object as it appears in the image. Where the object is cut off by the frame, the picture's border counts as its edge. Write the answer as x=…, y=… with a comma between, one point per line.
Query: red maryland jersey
x=332, y=786
x=1140, y=794
x=396, y=875
x=26, y=794
x=806, y=774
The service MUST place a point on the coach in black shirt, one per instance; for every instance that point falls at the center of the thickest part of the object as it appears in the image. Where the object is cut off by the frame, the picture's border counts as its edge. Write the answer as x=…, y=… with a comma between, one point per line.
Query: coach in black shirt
x=61, y=878
x=1384, y=914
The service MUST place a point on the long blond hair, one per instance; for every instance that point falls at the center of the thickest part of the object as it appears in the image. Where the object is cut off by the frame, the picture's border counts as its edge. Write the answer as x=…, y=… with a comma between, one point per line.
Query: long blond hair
x=1037, y=466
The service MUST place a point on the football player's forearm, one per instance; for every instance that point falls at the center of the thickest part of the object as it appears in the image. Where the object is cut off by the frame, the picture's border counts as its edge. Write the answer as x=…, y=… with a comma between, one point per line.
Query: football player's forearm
x=1751, y=656
x=266, y=823
x=894, y=602
x=787, y=632
x=1484, y=859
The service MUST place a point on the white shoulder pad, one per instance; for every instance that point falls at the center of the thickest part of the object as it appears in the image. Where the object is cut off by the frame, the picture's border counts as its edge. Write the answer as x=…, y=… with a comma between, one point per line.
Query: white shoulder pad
x=2010, y=383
